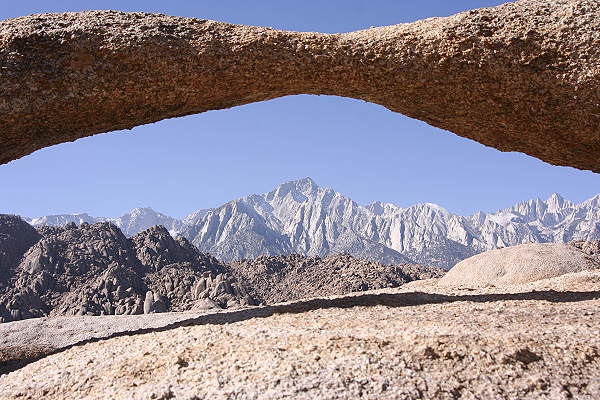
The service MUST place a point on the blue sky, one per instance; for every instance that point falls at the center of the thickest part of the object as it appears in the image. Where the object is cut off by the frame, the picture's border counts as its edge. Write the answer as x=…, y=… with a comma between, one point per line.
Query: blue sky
x=362, y=150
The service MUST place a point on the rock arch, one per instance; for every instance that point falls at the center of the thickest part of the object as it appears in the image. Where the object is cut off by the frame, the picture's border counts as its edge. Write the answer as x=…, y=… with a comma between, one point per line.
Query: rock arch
x=519, y=77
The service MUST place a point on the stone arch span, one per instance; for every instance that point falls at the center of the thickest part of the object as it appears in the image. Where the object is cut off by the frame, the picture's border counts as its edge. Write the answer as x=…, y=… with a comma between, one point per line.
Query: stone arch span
x=523, y=76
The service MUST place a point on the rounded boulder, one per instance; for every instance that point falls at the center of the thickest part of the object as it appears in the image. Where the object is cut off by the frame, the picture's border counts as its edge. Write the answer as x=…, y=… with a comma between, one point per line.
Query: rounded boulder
x=518, y=265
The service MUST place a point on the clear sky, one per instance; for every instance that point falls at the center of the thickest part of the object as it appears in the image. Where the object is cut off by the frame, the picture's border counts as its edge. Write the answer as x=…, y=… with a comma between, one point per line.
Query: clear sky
x=362, y=150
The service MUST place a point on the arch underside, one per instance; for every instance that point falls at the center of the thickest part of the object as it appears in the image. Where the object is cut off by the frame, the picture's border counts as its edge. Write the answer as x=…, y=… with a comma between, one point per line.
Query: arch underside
x=519, y=77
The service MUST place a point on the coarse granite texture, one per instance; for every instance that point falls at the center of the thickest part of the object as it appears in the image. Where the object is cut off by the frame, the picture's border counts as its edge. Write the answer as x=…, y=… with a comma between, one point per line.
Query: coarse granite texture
x=530, y=341
x=522, y=76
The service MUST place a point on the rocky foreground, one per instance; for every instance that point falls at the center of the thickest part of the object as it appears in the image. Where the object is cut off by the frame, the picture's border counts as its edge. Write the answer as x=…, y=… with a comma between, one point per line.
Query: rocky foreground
x=535, y=340
x=519, y=322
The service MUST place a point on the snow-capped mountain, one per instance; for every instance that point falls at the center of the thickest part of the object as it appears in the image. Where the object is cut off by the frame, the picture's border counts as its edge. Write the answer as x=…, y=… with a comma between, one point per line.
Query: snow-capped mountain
x=141, y=219
x=297, y=217
x=63, y=219
x=301, y=217
x=131, y=223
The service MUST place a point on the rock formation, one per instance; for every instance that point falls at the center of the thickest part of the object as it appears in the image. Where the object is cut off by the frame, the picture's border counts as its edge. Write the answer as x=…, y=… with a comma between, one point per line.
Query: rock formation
x=93, y=269
x=591, y=248
x=519, y=77
x=16, y=237
x=96, y=270
x=284, y=278
x=529, y=340
x=522, y=264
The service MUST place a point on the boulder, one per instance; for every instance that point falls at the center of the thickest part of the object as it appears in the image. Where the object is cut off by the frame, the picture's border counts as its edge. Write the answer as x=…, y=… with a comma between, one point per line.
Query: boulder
x=517, y=265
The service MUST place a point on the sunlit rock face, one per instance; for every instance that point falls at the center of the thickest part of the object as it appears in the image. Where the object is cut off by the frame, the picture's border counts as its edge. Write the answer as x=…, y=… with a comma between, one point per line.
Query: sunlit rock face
x=519, y=77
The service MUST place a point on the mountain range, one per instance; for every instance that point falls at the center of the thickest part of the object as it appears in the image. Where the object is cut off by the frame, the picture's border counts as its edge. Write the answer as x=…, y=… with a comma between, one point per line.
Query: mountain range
x=301, y=217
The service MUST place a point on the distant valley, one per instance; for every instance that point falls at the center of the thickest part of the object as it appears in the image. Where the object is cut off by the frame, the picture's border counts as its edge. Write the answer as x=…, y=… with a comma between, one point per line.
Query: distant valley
x=301, y=217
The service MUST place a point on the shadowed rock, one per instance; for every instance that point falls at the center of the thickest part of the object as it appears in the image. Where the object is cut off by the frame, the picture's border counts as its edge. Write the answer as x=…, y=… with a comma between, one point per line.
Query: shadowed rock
x=96, y=270
x=519, y=77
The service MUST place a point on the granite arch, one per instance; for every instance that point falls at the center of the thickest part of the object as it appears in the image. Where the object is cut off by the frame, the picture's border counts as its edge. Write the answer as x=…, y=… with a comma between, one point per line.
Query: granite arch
x=523, y=76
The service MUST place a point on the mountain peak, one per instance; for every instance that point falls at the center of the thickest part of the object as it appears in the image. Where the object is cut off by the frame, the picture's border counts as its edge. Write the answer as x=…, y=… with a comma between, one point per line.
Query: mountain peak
x=555, y=202
x=301, y=190
x=555, y=197
x=376, y=208
x=143, y=210
x=306, y=184
x=380, y=208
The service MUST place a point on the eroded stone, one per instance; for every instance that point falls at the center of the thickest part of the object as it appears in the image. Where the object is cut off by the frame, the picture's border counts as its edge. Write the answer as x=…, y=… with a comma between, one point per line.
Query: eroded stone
x=519, y=77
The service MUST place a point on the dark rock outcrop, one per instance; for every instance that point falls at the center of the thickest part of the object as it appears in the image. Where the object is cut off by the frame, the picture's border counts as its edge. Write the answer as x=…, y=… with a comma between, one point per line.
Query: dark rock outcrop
x=16, y=237
x=96, y=270
x=591, y=248
x=183, y=277
x=519, y=77
x=284, y=278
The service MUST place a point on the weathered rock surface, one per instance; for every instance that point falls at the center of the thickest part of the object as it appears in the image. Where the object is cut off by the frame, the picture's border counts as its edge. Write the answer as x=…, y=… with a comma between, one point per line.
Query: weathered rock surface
x=31, y=338
x=285, y=278
x=520, y=264
x=16, y=237
x=96, y=270
x=519, y=77
x=538, y=340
